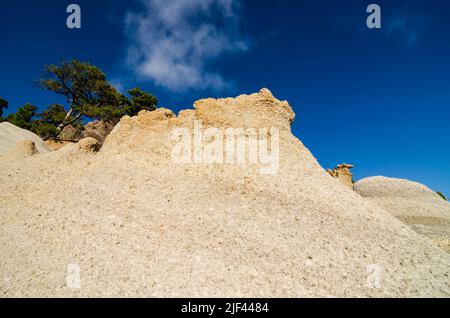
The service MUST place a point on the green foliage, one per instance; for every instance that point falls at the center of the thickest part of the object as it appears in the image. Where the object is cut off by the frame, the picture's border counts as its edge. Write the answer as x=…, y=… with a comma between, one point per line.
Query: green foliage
x=54, y=114
x=44, y=129
x=84, y=86
x=49, y=120
x=81, y=83
x=442, y=195
x=140, y=100
x=89, y=94
x=110, y=108
x=23, y=117
x=3, y=105
x=118, y=105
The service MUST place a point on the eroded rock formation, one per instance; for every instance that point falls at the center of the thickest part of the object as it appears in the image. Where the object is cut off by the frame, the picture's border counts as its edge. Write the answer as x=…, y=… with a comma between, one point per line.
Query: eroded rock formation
x=135, y=223
x=342, y=172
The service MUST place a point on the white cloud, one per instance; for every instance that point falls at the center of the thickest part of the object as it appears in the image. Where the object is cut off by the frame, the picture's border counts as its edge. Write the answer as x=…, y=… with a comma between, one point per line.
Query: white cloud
x=174, y=42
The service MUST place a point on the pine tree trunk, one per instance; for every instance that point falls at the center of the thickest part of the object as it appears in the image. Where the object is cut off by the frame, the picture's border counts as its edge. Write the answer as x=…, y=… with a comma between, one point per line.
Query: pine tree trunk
x=63, y=123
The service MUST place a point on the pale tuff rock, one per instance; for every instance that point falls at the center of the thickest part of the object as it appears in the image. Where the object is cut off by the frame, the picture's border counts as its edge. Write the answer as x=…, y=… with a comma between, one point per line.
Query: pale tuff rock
x=246, y=111
x=382, y=188
x=413, y=203
x=137, y=224
x=86, y=145
x=10, y=135
x=23, y=149
x=56, y=144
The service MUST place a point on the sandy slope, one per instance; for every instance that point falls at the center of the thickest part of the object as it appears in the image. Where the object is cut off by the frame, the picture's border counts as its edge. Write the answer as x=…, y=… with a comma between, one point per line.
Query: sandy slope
x=138, y=224
x=413, y=203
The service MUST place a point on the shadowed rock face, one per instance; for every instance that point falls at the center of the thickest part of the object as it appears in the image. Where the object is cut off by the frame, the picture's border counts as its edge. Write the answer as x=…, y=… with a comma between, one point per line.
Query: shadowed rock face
x=135, y=223
x=413, y=203
x=96, y=129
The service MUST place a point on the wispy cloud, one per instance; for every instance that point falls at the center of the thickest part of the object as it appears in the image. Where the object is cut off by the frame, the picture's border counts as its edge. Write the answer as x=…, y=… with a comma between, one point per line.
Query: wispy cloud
x=174, y=43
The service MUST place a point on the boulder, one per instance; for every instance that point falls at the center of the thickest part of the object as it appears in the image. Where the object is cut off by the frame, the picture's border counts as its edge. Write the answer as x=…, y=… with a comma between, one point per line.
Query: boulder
x=10, y=135
x=412, y=203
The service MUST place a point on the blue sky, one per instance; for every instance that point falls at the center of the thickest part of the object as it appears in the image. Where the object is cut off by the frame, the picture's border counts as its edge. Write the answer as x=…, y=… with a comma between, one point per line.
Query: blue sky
x=379, y=99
